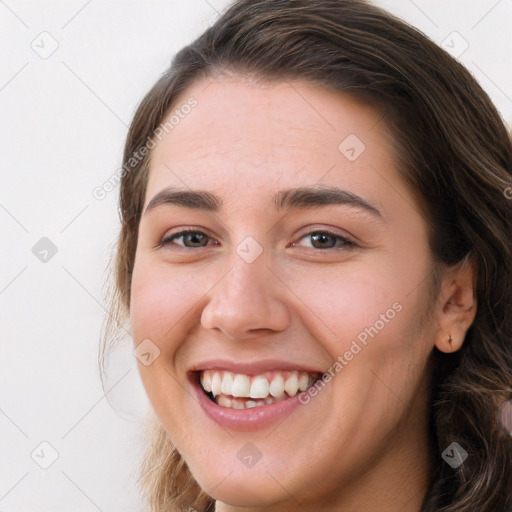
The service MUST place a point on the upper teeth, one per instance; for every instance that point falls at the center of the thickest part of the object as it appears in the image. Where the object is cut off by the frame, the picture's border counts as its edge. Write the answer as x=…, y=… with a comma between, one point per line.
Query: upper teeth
x=260, y=386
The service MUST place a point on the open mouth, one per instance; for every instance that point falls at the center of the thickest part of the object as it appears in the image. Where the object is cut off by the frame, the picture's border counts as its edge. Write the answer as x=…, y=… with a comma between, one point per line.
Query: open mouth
x=241, y=391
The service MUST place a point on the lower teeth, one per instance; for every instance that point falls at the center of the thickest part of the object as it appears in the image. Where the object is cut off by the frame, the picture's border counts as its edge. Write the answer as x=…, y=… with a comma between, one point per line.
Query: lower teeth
x=241, y=403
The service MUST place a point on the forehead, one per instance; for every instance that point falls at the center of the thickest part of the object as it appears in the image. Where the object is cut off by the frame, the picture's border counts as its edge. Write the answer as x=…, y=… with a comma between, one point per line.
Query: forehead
x=246, y=134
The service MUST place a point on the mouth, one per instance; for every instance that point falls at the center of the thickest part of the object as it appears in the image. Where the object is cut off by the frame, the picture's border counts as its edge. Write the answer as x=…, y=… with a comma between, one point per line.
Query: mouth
x=242, y=391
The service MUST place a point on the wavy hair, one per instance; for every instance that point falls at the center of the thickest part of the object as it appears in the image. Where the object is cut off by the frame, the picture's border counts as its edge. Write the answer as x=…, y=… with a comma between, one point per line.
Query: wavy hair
x=453, y=150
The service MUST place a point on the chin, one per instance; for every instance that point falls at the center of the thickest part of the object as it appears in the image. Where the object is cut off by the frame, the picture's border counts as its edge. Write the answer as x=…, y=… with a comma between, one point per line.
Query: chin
x=243, y=488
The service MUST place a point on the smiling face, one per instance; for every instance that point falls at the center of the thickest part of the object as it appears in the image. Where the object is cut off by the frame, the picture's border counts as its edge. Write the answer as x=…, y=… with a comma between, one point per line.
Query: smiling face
x=305, y=254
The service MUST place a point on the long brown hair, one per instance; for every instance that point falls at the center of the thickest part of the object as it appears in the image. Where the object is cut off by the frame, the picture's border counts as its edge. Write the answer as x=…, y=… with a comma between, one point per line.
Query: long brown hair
x=454, y=151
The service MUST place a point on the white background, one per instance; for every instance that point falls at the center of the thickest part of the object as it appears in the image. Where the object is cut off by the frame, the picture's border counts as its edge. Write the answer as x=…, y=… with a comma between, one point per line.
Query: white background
x=63, y=120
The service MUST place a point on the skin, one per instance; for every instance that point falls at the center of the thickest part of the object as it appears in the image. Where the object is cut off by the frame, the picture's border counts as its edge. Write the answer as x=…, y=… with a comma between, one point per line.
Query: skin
x=361, y=443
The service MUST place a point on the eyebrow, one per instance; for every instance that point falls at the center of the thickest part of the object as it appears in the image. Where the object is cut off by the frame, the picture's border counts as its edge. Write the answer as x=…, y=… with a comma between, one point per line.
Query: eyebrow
x=295, y=198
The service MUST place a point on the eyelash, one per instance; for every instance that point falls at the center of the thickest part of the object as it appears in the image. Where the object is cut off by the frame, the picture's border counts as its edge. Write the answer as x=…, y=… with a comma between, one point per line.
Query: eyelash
x=346, y=242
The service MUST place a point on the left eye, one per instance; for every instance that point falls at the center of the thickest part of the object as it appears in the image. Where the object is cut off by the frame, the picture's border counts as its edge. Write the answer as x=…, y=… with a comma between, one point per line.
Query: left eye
x=326, y=240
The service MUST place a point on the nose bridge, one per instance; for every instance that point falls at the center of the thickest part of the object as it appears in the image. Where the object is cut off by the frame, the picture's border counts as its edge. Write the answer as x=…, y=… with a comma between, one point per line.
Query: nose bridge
x=243, y=284
x=247, y=298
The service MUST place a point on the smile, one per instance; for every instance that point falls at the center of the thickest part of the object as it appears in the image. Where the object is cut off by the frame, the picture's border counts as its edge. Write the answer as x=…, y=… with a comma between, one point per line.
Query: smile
x=240, y=391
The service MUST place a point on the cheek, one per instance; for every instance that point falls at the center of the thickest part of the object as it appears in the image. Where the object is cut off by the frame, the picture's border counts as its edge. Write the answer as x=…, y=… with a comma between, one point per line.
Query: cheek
x=368, y=315
x=341, y=302
x=159, y=305
x=160, y=300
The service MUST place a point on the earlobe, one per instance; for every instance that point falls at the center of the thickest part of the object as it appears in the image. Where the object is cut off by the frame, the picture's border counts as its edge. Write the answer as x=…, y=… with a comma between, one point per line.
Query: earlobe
x=448, y=344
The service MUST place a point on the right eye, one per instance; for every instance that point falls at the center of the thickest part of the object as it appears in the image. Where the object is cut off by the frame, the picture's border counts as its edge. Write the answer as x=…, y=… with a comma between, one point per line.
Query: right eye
x=188, y=239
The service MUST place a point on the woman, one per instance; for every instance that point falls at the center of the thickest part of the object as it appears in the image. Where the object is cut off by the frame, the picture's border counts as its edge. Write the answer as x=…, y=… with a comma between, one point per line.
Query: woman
x=315, y=259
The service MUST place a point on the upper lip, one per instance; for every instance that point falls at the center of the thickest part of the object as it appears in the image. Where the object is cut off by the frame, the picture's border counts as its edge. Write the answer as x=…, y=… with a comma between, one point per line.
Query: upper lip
x=252, y=367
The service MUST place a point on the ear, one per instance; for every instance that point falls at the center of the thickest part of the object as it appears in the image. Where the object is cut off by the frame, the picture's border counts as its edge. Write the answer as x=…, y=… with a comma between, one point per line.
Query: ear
x=457, y=305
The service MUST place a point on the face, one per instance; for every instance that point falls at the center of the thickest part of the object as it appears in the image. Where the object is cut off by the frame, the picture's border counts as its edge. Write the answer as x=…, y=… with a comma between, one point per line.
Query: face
x=282, y=267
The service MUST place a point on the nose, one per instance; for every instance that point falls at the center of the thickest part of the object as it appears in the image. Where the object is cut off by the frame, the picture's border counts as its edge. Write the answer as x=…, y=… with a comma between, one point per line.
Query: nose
x=247, y=302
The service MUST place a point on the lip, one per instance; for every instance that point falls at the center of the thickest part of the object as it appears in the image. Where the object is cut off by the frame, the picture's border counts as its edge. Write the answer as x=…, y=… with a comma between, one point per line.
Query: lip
x=252, y=368
x=255, y=418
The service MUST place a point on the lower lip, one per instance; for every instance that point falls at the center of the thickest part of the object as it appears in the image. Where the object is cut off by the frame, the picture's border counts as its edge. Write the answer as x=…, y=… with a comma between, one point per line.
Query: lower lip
x=255, y=418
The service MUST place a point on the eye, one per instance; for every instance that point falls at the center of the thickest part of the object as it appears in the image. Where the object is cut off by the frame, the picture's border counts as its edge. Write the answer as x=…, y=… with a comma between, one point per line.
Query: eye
x=321, y=239
x=188, y=239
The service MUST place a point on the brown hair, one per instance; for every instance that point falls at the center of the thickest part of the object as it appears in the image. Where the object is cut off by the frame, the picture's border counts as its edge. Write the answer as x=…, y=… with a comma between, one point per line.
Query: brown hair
x=454, y=151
